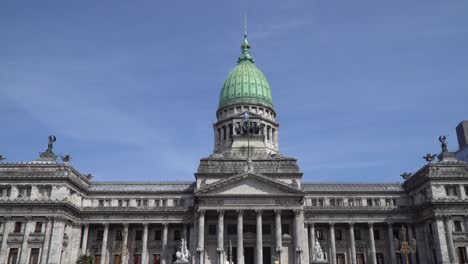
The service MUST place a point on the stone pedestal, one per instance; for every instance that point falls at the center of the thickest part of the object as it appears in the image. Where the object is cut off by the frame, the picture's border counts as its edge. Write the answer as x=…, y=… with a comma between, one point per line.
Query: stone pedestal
x=180, y=262
x=320, y=261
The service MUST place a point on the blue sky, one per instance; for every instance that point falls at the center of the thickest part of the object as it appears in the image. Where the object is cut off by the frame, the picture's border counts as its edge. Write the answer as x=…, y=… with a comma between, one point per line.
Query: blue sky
x=362, y=89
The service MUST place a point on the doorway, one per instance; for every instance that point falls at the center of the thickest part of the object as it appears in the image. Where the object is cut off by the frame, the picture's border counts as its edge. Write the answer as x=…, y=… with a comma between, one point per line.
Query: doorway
x=267, y=255
x=249, y=255
x=136, y=258
x=117, y=259
x=13, y=256
x=97, y=258
x=462, y=259
x=156, y=259
x=360, y=258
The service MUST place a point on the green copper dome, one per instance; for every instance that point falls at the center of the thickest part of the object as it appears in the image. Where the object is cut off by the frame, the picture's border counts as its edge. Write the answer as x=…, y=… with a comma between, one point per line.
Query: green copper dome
x=245, y=84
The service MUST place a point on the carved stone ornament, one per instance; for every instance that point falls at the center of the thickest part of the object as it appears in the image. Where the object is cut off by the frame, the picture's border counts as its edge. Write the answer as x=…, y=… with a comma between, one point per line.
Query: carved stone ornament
x=317, y=254
x=49, y=154
x=183, y=254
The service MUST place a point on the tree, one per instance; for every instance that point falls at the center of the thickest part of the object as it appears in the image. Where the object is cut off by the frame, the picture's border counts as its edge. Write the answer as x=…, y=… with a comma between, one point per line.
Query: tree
x=84, y=259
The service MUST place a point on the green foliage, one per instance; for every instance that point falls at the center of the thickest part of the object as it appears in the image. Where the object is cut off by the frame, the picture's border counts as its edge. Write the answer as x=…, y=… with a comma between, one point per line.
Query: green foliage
x=84, y=259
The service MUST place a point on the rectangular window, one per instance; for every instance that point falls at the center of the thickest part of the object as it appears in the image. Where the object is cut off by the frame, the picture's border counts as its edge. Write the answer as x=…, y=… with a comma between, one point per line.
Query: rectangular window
x=266, y=229
x=177, y=234
x=101, y=203
x=38, y=227
x=118, y=235
x=466, y=190
x=314, y=202
x=232, y=229
x=380, y=258
x=250, y=229
x=145, y=202
x=138, y=203
x=138, y=235
x=358, y=202
x=34, y=257
x=451, y=190
x=357, y=234
x=100, y=235
x=376, y=202
x=319, y=234
x=350, y=202
x=157, y=235
x=338, y=234
x=18, y=227
x=388, y=202
x=376, y=234
x=332, y=202
x=285, y=229
x=164, y=202
x=120, y=202
x=457, y=226
x=211, y=230
x=339, y=202
x=320, y=202
x=369, y=202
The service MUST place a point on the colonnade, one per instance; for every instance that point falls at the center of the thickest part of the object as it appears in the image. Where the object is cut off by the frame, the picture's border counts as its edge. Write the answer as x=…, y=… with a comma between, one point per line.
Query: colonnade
x=298, y=222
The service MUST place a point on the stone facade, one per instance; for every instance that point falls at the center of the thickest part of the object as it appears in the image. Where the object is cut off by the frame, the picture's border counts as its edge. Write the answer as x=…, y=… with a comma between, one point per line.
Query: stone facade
x=247, y=204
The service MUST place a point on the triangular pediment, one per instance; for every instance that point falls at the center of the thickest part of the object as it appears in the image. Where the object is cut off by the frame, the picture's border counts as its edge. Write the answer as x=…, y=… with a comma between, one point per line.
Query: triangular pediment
x=248, y=184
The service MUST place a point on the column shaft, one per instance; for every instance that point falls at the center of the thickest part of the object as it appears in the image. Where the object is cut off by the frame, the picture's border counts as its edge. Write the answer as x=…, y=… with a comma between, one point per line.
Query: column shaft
x=352, y=242
x=24, y=245
x=410, y=237
x=332, y=244
x=4, y=249
x=311, y=241
x=372, y=244
x=84, y=244
x=46, y=244
x=240, y=237
x=144, y=249
x=164, y=243
x=278, y=238
x=56, y=242
x=104, y=244
x=391, y=244
x=201, y=236
x=220, y=248
x=124, y=251
x=259, y=241
x=449, y=233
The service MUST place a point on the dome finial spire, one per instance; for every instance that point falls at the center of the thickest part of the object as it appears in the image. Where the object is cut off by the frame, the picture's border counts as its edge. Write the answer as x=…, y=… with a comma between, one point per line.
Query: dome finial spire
x=245, y=47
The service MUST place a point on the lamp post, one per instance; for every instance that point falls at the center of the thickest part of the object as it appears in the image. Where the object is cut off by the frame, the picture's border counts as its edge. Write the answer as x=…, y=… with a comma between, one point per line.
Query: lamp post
x=404, y=246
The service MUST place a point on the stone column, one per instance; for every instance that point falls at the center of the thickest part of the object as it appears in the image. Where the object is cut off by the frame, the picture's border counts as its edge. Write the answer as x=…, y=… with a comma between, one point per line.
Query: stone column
x=220, y=248
x=311, y=241
x=332, y=244
x=259, y=244
x=7, y=227
x=372, y=244
x=449, y=233
x=144, y=249
x=164, y=243
x=56, y=242
x=24, y=246
x=410, y=237
x=352, y=243
x=201, y=236
x=391, y=244
x=278, y=238
x=84, y=244
x=46, y=244
x=104, y=244
x=298, y=229
x=240, y=237
x=440, y=240
x=124, y=253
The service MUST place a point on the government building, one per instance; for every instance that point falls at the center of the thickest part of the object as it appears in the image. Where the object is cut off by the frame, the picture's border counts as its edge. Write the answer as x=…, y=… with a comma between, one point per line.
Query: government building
x=247, y=204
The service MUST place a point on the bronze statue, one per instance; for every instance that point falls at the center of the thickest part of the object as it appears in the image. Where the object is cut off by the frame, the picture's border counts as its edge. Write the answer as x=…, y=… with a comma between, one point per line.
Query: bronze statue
x=429, y=157
x=52, y=139
x=443, y=143
x=66, y=158
x=405, y=175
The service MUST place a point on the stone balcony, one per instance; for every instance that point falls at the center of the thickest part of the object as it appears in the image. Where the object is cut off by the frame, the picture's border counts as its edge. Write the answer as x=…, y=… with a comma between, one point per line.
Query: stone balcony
x=36, y=237
x=15, y=237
